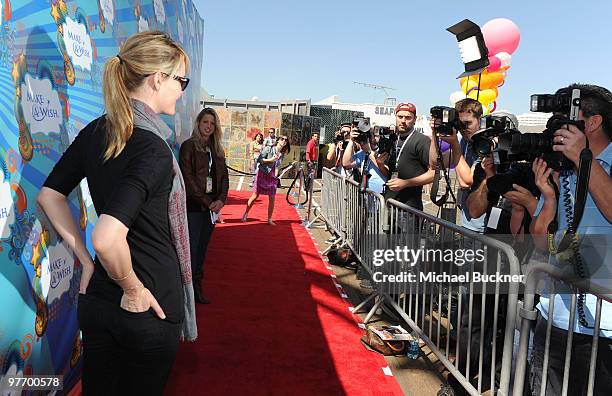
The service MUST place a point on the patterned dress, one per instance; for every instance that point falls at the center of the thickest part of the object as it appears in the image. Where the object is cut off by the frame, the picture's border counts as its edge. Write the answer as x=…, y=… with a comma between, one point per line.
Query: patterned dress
x=266, y=182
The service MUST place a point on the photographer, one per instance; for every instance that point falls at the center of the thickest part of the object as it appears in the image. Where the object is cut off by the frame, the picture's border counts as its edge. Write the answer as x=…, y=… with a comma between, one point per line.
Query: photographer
x=596, y=112
x=462, y=157
x=514, y=182
x=410, y=161
x=335, y=149
x=377, y=168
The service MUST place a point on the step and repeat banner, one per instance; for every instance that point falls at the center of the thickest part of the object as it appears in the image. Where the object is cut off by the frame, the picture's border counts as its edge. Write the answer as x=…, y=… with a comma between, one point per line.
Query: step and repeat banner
x=52, y=55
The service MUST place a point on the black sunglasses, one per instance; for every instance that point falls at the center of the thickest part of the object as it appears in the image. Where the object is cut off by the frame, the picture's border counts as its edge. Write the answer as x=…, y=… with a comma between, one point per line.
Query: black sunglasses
x=184, y=81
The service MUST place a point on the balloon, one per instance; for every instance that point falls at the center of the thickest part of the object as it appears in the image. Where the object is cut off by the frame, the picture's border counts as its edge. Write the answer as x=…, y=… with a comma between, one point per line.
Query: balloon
x=487, y=81
x=491, y=80
x=485, y=110
x=485, y=96
x=494, y=64
x=456, y=97
x=501, y=35
x=504, y=59
x=469, y=84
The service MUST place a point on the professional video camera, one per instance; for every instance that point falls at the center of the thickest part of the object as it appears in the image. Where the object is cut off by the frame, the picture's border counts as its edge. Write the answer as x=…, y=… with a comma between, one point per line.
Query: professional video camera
x=449, y=118
x=498, y=135
x=362, y=124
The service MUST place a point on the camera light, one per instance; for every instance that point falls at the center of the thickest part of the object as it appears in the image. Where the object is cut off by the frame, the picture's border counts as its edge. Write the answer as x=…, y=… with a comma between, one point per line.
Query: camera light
x=445, y=115
x=534, y=103
x=469, y=50
x=472, y=47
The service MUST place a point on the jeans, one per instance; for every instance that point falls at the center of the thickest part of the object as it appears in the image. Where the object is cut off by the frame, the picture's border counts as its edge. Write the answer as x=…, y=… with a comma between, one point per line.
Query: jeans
x=124, y=353
x=200, y=231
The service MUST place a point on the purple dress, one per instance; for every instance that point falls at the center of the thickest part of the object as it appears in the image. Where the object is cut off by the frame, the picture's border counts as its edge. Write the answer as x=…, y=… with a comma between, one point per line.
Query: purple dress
x=265, y=183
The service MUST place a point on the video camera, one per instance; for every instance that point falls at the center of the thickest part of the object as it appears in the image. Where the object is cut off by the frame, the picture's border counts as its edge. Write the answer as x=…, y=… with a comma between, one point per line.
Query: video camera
x=362, y=124
x=499, y=137
x=449, y=118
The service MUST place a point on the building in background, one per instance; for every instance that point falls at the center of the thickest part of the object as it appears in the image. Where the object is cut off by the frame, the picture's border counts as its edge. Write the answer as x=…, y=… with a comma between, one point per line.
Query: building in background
x=379, y=114
x=533, y=122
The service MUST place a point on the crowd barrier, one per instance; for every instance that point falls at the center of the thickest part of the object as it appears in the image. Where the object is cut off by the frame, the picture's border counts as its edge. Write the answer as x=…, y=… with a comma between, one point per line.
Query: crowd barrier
x=560, y=279
x=469, y=326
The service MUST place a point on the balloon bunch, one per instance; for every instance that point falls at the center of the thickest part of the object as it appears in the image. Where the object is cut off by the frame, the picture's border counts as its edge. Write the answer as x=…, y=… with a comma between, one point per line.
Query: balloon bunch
x=502, y=38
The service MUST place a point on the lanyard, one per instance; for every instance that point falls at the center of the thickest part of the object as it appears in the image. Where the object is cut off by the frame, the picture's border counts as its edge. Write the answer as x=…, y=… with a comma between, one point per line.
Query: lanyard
x=399, y=154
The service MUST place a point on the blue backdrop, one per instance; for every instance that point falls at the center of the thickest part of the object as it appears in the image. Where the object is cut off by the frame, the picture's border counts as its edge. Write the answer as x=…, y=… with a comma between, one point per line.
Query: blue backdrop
x=52, y=55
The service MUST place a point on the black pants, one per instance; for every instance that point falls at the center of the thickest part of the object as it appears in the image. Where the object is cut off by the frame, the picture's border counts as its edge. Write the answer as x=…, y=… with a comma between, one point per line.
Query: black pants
x=200, y=231
x=579, y=362
x=124, y=353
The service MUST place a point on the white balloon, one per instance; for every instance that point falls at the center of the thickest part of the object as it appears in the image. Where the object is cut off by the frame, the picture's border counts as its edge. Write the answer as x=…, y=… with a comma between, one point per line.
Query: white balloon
x=505, y=58
x=456, y=97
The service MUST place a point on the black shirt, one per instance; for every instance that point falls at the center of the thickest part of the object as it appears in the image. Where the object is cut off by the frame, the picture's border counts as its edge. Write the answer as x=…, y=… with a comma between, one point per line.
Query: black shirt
x=133, y=188
x=413, y=162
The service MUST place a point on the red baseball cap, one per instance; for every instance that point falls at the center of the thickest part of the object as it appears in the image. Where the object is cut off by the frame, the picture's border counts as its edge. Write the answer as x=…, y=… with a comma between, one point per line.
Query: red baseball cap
x=406, y=107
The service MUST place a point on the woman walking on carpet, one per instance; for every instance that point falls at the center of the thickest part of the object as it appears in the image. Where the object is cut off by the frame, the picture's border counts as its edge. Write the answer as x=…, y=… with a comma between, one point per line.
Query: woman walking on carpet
x=266, y=179
x=135, y=299
x=202, y=161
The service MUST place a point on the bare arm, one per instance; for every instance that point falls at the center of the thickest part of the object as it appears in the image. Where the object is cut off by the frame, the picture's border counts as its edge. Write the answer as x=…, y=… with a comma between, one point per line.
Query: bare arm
x=477, y=202
x=55, y=206
x=347, y=158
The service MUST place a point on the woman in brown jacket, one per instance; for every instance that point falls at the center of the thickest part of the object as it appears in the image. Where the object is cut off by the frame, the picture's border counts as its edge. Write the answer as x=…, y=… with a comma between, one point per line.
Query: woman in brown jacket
x=202, y=162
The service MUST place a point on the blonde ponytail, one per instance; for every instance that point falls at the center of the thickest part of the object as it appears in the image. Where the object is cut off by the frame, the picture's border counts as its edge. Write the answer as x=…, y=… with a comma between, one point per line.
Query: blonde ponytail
x=119, y=116
x=141, y=55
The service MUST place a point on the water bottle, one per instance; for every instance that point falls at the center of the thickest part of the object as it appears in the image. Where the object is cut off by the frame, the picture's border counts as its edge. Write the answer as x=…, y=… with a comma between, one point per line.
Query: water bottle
x=413, y=346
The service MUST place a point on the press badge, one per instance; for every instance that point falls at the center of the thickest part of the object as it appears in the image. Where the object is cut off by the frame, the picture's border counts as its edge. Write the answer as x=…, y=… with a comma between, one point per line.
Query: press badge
x=209, y=185
x=494, y=217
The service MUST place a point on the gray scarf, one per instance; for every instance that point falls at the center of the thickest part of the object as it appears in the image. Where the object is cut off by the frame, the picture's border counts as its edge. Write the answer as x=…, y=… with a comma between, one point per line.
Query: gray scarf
x=145, y=118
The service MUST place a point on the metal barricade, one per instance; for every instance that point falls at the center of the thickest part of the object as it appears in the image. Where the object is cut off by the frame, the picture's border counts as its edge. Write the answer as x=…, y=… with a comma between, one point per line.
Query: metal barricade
x=366, y=214
x=466, y=322
x=333, y=205
x=560, y=278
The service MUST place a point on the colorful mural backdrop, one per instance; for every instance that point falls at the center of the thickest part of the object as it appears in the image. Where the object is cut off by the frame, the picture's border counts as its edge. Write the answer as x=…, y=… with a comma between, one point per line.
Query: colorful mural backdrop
x=52, y=54
x=241, y=125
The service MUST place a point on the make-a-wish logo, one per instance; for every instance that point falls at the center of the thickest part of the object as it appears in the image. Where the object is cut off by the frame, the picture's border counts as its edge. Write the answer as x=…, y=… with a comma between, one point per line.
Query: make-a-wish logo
x=78, y=44
x=57, y=271
x=41, y=105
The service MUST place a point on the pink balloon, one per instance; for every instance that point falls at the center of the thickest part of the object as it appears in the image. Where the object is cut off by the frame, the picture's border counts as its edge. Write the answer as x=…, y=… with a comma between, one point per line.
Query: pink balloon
x=494, y=64
x=501, y=35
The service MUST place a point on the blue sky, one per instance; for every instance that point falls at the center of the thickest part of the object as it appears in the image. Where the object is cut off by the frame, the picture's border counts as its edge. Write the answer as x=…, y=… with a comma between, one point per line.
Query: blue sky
x=279, y=50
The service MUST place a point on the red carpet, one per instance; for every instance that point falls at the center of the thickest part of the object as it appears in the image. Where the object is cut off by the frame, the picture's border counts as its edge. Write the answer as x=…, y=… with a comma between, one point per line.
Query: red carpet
x=276, y=324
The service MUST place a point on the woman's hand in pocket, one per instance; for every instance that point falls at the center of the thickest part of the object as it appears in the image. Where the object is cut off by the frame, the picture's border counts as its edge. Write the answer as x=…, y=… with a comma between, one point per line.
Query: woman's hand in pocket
x=140, y=299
